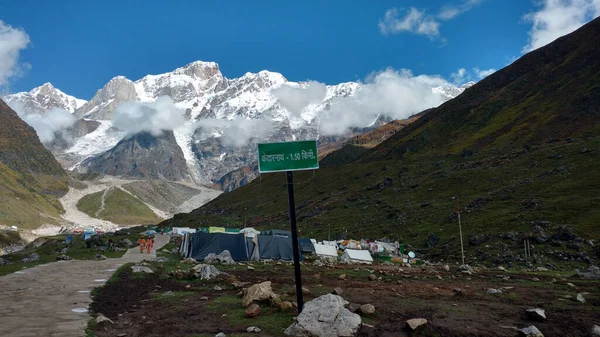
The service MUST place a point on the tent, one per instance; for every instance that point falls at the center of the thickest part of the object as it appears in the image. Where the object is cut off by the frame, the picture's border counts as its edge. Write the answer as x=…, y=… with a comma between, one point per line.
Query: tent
x=357, y=256
x=306, y=246
x=182, y=230
x=272, y=247
x=250, y=232
x=277, y=232
x=216, y=229
x=202, y=244
x=324, y=250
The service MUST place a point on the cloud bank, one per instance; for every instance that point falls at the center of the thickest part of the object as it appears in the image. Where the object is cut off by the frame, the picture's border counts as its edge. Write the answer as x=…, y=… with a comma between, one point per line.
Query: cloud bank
x=155, y=117
x=12, y=41
x=294, y=98
x=237, y=132
x=46, y=124
x=556, y=18
x=463, y=75
x=391, y=93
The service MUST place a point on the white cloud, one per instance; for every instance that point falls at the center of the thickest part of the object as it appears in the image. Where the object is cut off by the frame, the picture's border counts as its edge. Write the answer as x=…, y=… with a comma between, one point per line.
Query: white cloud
x=483, y=73
x=450, y=12
x=12, y=41
x=415, y=21
x=236, y=132
x=295, y=99
x=460, y=76
x=155, y=117
x=392, y=93
x=46, y=124
x=556, y=18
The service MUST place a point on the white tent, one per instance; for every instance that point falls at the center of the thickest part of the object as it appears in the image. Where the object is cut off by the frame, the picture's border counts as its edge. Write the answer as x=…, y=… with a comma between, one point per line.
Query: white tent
x=249, y=232
x=182, y=230
x=323, y=250
x=357, y=256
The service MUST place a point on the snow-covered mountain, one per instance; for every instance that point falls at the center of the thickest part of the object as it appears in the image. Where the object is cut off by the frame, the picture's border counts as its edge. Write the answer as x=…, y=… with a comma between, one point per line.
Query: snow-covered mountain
x=44, y=98
x=223, y=119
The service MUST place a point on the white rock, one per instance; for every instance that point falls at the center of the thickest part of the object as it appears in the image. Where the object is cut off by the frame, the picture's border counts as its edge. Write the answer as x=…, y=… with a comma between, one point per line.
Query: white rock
x=103, y=319
x=536, y=313
x=141, y=269
x=325, y=316
x=253, y=329
x=580, y=298
x=493, y=291
x=530, y=331
x=596, y=330
x=414, y=323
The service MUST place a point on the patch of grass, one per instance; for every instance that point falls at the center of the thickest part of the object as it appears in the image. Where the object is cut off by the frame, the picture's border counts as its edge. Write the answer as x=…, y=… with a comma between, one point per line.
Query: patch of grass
x=90, y=328
x=119, y=207
x=173, y=297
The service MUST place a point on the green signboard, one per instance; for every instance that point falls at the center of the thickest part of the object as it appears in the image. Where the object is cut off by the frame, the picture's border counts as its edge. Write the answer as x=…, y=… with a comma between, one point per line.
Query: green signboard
x=287, y=156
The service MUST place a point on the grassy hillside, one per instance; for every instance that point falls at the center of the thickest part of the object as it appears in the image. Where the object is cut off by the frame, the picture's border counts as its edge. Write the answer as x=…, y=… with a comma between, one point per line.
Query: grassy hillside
x=120, y=207
x=520, y=150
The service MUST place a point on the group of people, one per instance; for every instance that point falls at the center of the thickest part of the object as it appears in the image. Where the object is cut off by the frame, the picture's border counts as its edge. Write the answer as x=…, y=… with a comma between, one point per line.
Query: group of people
x=146, y=243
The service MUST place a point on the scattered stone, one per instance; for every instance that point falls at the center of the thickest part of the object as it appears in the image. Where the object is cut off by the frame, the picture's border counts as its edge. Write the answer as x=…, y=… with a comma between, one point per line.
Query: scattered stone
x=571, y=285
x=338, y=291
x=367, y=309
x=31, y=258
x=258, y=292
x=536, y=313
x=122, y=334
x=141, y=269
x=189, y=260
x=125, y=243
x=3, y=262
x=250, y=268
x=354, y=307
x=203, y=298
x=101, y=319
x=160, y=259
x=181, y=274
x=342, y=277
x=535, y=279
x=530, y=331
x=251, y=329
x=501, y=268
x=593, y=273
x=217, y=288
x=325, y=316
x=205, y=271
x=168, y=293
x=252, y=311
x=240, y=294
x=99, y=257
x=466, y=268
x=580, y=298
x=225, y=257
x=372, y=277
x=415, y=323
x=188, y=286
x=439, y=277
x=446, y=267
x=61, y=258
x=240, y=285
x=305, y=291
x=493, y=291
x=543, y=269
x=458, y=292
x=285, y=306
x=596, y=330
x=220, y=334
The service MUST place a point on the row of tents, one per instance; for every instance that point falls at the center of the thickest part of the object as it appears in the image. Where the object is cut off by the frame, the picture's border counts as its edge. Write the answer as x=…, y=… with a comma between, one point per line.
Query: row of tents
x=250, y=244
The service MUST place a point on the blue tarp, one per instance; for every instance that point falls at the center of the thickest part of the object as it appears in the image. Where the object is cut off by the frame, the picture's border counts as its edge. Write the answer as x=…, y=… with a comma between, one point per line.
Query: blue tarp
x=306, y=246
x=202, y=244
x=275, y=248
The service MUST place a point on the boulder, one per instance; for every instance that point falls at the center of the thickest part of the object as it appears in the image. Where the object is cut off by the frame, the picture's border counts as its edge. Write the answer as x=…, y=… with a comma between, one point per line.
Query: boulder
x=593, y=273
x=99, y=257
x=325, y=316
x=63, y=258
x=101, y=319
x=341, y=277
x=126, y=243
x=31, y=258
x=254, y=329
x=530, y=331
x=252, y=311
x=493, y=291
x=414, y=323
x=536, y=313
x=258, y=292
x=210, y=258
x=141, y=269
x=338, y=291
x=160, y=259
x=225, y=257
x=205, y=271
x=367, y=309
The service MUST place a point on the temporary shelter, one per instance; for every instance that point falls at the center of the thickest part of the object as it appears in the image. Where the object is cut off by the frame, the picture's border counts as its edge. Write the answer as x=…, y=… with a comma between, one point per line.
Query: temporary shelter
x=272, y=247
x=324, y=250
x=202, y=244
x=182, y=230
x=249, y=232
x=306, y=246
x=357, y=256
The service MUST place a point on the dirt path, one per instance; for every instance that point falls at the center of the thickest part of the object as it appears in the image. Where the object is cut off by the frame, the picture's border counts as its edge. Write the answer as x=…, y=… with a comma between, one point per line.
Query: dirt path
x=52, y=299
x=102, y=202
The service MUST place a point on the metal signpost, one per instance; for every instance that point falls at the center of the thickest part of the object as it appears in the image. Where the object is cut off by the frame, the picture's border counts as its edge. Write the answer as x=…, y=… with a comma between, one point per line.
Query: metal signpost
x=290, y=156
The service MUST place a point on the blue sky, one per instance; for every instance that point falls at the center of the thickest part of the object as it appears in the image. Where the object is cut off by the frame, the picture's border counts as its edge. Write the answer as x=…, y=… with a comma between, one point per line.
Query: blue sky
x=79, y=45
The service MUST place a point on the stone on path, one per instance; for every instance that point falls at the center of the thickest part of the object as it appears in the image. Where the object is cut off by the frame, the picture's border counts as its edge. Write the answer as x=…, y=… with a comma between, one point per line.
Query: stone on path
x=530, y=331
x=580, y=298
x=367, y=309
x=205, y=271
x=536, y=313
x=258, y=292
x=252, y=311
x=415, y=323
x=325, y=316
x=253, y=329
x=493, y=291
x=141, y=269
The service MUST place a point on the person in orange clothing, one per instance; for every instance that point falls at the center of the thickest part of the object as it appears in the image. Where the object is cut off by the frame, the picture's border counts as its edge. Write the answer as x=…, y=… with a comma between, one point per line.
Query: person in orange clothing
x=142, y=243
x=149, y=244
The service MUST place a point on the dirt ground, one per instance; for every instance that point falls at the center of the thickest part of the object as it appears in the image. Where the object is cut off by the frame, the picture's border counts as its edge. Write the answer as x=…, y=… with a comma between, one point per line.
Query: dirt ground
x=454, y=303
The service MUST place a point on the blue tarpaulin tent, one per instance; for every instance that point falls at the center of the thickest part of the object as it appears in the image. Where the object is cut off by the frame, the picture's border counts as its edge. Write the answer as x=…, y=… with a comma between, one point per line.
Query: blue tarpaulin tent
x=306, y=246
x=273, y=247
x=202, y=244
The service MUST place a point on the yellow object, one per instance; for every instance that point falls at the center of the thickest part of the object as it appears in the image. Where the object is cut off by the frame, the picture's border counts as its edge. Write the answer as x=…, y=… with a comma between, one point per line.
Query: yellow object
x=216, y=229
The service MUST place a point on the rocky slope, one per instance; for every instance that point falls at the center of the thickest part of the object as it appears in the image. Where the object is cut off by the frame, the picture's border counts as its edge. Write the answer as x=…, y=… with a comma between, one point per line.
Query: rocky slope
x=518, y=153
x=30, y=178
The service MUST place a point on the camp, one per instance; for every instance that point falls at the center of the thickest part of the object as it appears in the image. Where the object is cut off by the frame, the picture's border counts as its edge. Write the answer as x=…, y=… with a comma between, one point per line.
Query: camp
x=356, y=256
x=325, y=251
x=202, y=244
